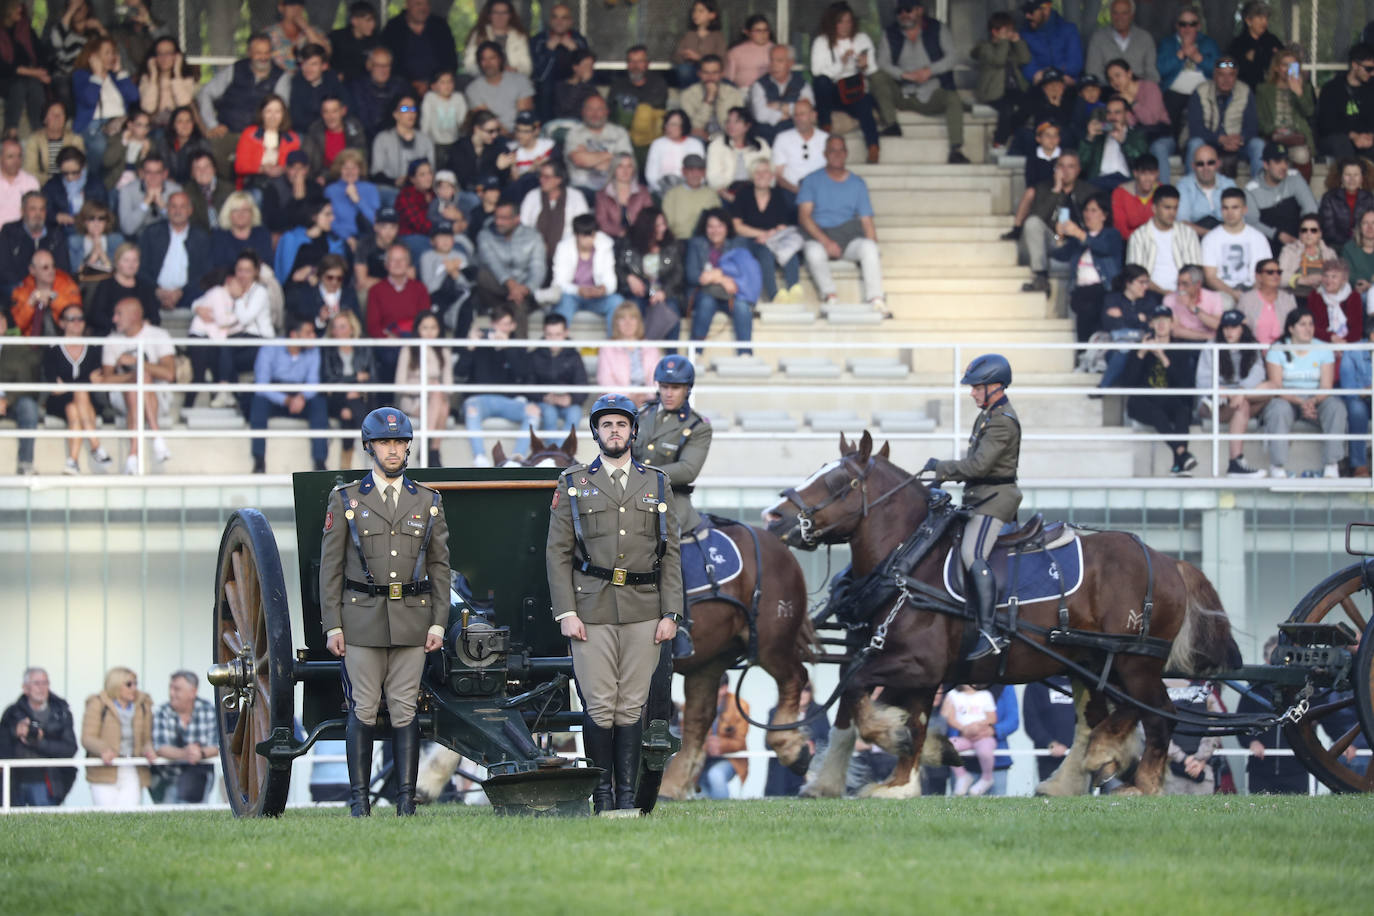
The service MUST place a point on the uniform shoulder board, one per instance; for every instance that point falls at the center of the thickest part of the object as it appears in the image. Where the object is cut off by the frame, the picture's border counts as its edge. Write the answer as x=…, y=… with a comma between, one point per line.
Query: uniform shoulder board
x=648, y=407
x=659, y=471
x=572, y=469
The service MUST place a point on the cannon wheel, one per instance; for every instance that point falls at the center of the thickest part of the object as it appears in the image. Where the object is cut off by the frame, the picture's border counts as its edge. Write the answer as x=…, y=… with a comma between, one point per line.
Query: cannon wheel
x=1364, y=684
x=252, y=634
x=1321, y=738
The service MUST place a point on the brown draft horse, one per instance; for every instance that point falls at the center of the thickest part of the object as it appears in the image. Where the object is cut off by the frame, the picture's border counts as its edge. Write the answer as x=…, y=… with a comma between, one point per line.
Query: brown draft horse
x=720, y=631
x=864, y=499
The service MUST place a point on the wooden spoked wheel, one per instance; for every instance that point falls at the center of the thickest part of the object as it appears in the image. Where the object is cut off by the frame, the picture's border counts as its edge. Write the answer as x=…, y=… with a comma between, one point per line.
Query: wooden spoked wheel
x=1364, y=684
x=253, y=676
x=1322, y=737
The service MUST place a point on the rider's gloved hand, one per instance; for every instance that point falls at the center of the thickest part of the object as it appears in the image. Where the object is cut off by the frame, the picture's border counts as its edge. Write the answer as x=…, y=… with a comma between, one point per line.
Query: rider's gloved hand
x=931, y=465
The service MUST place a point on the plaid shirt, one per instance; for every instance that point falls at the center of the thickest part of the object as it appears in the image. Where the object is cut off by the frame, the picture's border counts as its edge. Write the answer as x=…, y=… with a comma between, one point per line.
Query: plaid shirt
x=412, y=210
x=168, y=730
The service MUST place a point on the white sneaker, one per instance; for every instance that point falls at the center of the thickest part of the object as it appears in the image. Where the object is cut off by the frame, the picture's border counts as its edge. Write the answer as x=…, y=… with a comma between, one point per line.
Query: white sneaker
x=481, y=461
x=224, y=399
x=962, y=783
x=101, y=462
x=131, y=464
x=1276, y=470
x=1331, y=470
x=160, y=450
x=980, y=787
x=71, y=468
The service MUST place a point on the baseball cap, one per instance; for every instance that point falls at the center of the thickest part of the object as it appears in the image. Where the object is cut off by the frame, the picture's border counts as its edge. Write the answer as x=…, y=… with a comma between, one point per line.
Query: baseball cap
x=526, y=119
x=297, y=157
x=1031, y=6
x=693, y=161
x=1051, y=74
x=1089, y=79
x=441, y=227
x=445, y=175
x=907, y=5
x=386, y=215
x=1232, y=318
x=488, y=181
x=1161, y=311
x=1274, y=151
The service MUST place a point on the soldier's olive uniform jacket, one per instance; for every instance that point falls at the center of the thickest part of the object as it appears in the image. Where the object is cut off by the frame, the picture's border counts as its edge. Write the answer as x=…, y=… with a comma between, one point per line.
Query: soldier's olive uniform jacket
x=989, y=468
x=619, y=533
x=391, y=541
x=676, y=443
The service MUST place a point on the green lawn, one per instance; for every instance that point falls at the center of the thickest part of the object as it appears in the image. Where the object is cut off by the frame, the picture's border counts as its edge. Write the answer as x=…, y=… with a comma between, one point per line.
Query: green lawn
x=1093, y=856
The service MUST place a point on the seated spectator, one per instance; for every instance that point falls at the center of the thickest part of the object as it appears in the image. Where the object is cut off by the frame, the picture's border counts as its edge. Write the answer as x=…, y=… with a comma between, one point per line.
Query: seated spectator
x=1347, y=194
x=1186, y=60
x=507, y=365
x=185, y=729
x=326, y=298
x=502, y=91
x=1110, y=146
x=573, y=90
x=481, y=152
x=1001, y=84
x=66, y=36
x=550, y=208
x=125, y=281
x=236, y=307
x=841, y=58
x=1055, y=201
x=1222, y=114
x=1302, y=261
x=560, y=367
x=54, y=737
x=702, y=39
x=144, y=202
x=118, y=723
x=175, y=254
x=727, y=736
x=233, y=96
x=1199, y=204
x=292, y=32
x=638, y=98
x=1241, y=376
x=684, y=204
x=1095, y=249
x=42, y=147
x=412, y=207
x=1046, y=103
x=765, y=219
x=1255, y=46
x=305, y=90
x=649, y=272
x=1358, y=253
x=446, y=206
x=444, y=270
x=584, y=272
x=619, y=202
x=1040, y=162
x=21, y=238
x=776, y=92
x=347, y=365
x=350, y=43
x=264, y=145
x=334, y=132
x=93, y=243
x=1231, y=251
x=488, y=193
x=500, y=24
x=289, y=364
x=973, y=713
x=624, y=368
x=1267, y=306
x=1345, y=117
x=103, y=92
x=19, y=365
x=1052, y=42
x=1133, y=203
x=438, y=363
x=207, y=192
x=299, y=251
x=1299, y=361
x=125, y=152
x=393, y=305
x=731, y=156
x=68, y=190
x=1050, y=717
x=708, y=102
x=1126, y=319
x=1275, y=199
x=722, y=276
x=529, y=150
x=1125, y=41
x=423, y=44
x=749, y=57
x=119, y=362
x=512, y=264
x=1354, y=374
x=1337, y=310
x=1155, y=367
x=1087, y=106
x=369, y=267
x=1286, y=104
x=1190, y=772
x=551, y=53
x=1197, y=310
x=663, y=169
x=916, y=61
x=24, y=67
x=355, y=200
x=1146, y=105
x=373, y=97
x=180, y=141
x=592, y=145
x=395, y=150
x=239, y=227
x=834, y=209
x=797, y=152
x=45, y=294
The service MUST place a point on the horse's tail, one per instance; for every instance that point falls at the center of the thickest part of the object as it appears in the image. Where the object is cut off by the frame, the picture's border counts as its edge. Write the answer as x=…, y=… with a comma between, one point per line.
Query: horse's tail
x=1204, y=641
x=807, y=646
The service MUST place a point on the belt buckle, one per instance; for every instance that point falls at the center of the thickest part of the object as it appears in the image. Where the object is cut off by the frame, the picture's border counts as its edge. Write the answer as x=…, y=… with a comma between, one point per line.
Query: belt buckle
x=618, y=576
x=394, y=591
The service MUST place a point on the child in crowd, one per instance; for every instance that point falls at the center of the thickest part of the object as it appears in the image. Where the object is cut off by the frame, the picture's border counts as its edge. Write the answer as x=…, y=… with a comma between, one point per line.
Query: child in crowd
x=441, y=269
x=442, y=112
x=1000, y=58
x=974, y=713
x=702, y=39
x=1088, y=105
x=445, y=206
x=1049, y=102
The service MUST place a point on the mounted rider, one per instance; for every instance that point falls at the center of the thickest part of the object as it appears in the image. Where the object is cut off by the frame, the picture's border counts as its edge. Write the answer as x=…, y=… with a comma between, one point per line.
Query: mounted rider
x=675, y=439
x=991, y=496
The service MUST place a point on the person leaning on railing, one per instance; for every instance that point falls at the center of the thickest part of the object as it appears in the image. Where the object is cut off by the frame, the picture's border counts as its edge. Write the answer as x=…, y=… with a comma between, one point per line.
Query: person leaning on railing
x=1241, y=377
x=38, y=724
x=118, y=723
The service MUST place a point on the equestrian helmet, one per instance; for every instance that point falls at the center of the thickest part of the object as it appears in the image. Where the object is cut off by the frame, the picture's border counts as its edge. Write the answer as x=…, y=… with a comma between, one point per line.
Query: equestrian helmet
x=675, y=370
x=387, y=423
x=614, y=403
x=988, y=369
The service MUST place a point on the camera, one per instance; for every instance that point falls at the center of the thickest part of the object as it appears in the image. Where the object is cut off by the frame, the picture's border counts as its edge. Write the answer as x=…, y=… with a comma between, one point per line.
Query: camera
x=35, y=727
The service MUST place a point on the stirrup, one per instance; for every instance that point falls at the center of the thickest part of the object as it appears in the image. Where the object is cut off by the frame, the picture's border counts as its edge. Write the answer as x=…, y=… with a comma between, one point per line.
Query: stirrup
x=988, y=644
x=683, y=646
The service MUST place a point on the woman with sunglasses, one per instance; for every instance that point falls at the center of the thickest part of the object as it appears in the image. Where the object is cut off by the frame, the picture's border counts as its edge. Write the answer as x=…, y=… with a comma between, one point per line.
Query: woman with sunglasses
x=1185, y=61
x=118, y=723
x=67, y=365
x=1267, y=306
x=479, y=152
x=396, y=148
x=1300, y=261
x=94, y=242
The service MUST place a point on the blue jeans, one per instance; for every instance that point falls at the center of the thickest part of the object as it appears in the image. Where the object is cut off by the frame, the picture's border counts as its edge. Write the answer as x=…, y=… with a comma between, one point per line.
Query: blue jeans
x=768, y=266
x=604, y=306
x=386, y=195
x=480, y=406
x=33, y=794
x=828, y=100
x=1162, y=148
x=24, y=409
x=1357, y=417
x=559, y=418
x=96, y=144
x=1253, y=151
x=316, y=412
x=416, y=245
x=741, y=316
x=716, y=776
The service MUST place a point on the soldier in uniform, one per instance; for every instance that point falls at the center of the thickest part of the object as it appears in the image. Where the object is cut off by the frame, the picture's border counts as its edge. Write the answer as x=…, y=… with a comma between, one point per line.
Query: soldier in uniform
x=675, y=439
x=991, y=497
x=384, y=584
x=615, y=578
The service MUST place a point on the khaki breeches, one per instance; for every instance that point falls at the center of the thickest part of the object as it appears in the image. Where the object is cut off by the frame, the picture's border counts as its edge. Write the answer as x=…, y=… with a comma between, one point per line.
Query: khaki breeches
x=614, y=668
x=369, y=672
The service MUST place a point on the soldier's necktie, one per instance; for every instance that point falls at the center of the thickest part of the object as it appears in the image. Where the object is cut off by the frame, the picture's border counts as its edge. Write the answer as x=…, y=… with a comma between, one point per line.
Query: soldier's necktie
x=390, y=497
x=618, y=478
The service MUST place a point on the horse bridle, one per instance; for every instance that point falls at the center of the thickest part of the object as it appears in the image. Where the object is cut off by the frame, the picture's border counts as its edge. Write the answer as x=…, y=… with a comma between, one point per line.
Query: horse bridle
x=810, y=535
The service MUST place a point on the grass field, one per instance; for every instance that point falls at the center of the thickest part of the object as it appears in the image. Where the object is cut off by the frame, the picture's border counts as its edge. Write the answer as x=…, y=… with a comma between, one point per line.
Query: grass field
x=1093, y=856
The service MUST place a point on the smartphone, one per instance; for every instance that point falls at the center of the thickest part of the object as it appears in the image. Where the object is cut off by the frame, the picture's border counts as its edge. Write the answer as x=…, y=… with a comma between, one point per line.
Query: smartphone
x=1063, y=214
x=1293, y=68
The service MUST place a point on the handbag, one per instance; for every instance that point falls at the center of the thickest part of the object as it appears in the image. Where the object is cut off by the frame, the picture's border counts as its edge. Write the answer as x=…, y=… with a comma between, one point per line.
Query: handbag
x=851, y=88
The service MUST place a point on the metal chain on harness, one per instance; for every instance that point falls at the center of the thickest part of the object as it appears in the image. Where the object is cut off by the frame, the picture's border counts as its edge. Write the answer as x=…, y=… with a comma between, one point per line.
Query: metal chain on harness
x=1299, y=709
x=880, y=632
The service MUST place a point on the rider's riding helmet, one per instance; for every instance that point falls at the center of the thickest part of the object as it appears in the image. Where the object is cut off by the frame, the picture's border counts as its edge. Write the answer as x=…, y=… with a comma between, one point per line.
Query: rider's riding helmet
x=613, y=403
x=675, y=370
x=988, y=369
x=387, y=423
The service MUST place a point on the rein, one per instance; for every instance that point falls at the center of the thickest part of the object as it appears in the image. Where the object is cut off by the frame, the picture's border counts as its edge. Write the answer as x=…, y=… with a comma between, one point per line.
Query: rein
x=810, y=535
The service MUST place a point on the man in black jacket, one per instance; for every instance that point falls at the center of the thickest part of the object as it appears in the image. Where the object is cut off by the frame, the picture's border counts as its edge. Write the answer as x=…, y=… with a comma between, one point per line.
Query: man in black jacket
x=422, y=43
x=1049, y=721
x=175, y=255
x=506, y=365
x=372, y=97
x=21, y=238
x=559, y=367
x=1345, y=109
x=39, y=724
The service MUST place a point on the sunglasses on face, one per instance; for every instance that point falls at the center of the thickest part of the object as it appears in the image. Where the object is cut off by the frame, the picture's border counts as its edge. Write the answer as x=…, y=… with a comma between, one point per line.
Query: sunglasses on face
x=1189, y=23
x=406, y=109
x=1305, y=230
x=73, y=319
x=1200, y=163
x=1226, y=65
x=333, y=276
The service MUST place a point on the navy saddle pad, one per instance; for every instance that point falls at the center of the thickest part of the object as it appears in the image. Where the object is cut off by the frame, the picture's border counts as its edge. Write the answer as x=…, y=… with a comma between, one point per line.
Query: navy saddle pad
x=1038, y=574
x=710, y=557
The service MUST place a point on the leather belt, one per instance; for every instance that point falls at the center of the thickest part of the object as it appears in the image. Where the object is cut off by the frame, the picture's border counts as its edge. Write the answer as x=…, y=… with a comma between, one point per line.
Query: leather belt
x=617, y=576
x=391, y=590
x=988, y=481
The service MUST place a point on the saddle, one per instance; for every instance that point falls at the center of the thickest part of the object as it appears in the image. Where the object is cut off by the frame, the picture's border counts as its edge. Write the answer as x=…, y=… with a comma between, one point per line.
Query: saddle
x=1032, y=536
x=1035, y=562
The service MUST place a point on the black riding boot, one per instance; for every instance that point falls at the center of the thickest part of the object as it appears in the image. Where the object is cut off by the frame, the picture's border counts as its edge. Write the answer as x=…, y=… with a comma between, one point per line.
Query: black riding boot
x=405, y=747
x=628, y=739
x=682, y=642
x=358, y=750
x=981, y=599
x=598, y=743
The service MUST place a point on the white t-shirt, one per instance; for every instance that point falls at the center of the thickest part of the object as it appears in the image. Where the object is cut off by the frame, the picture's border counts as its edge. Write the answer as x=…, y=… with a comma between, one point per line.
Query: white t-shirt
x=157, y=344
x=1164, y=273
x=796, y=158
x=1235, y=256
x=1113, y=159
x=970, y=708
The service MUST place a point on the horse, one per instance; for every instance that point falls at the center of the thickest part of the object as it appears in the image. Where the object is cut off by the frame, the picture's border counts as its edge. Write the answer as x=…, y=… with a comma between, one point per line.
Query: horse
x=867, y=501
x=767, y=611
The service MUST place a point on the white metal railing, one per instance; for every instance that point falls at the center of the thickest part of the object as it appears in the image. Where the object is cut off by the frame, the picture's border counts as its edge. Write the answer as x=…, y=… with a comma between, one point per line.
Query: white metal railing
x=959, y=354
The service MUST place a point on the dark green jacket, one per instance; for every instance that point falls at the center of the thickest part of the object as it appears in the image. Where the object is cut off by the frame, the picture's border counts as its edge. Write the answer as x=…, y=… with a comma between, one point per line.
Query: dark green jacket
x=1090, y=151
x=994, y=450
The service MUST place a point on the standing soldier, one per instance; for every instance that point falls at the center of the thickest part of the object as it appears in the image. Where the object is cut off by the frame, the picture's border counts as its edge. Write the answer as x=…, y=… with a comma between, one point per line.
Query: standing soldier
x=675, y=439
x=990, y=493
x=384, y=583
x=615, y=577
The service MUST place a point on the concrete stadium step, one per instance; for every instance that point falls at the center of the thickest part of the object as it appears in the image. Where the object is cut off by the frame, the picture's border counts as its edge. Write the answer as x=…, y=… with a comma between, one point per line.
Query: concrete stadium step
x=978, y=202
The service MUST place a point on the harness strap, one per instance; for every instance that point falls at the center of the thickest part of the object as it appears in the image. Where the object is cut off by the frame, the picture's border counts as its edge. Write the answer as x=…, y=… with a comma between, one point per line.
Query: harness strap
x=353, y=535
x=424, y=543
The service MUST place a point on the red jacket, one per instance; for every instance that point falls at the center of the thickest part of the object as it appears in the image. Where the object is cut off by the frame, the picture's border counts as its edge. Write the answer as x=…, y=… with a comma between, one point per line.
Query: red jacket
x=248, y=155
x=1128, y=212
x=389, y=309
